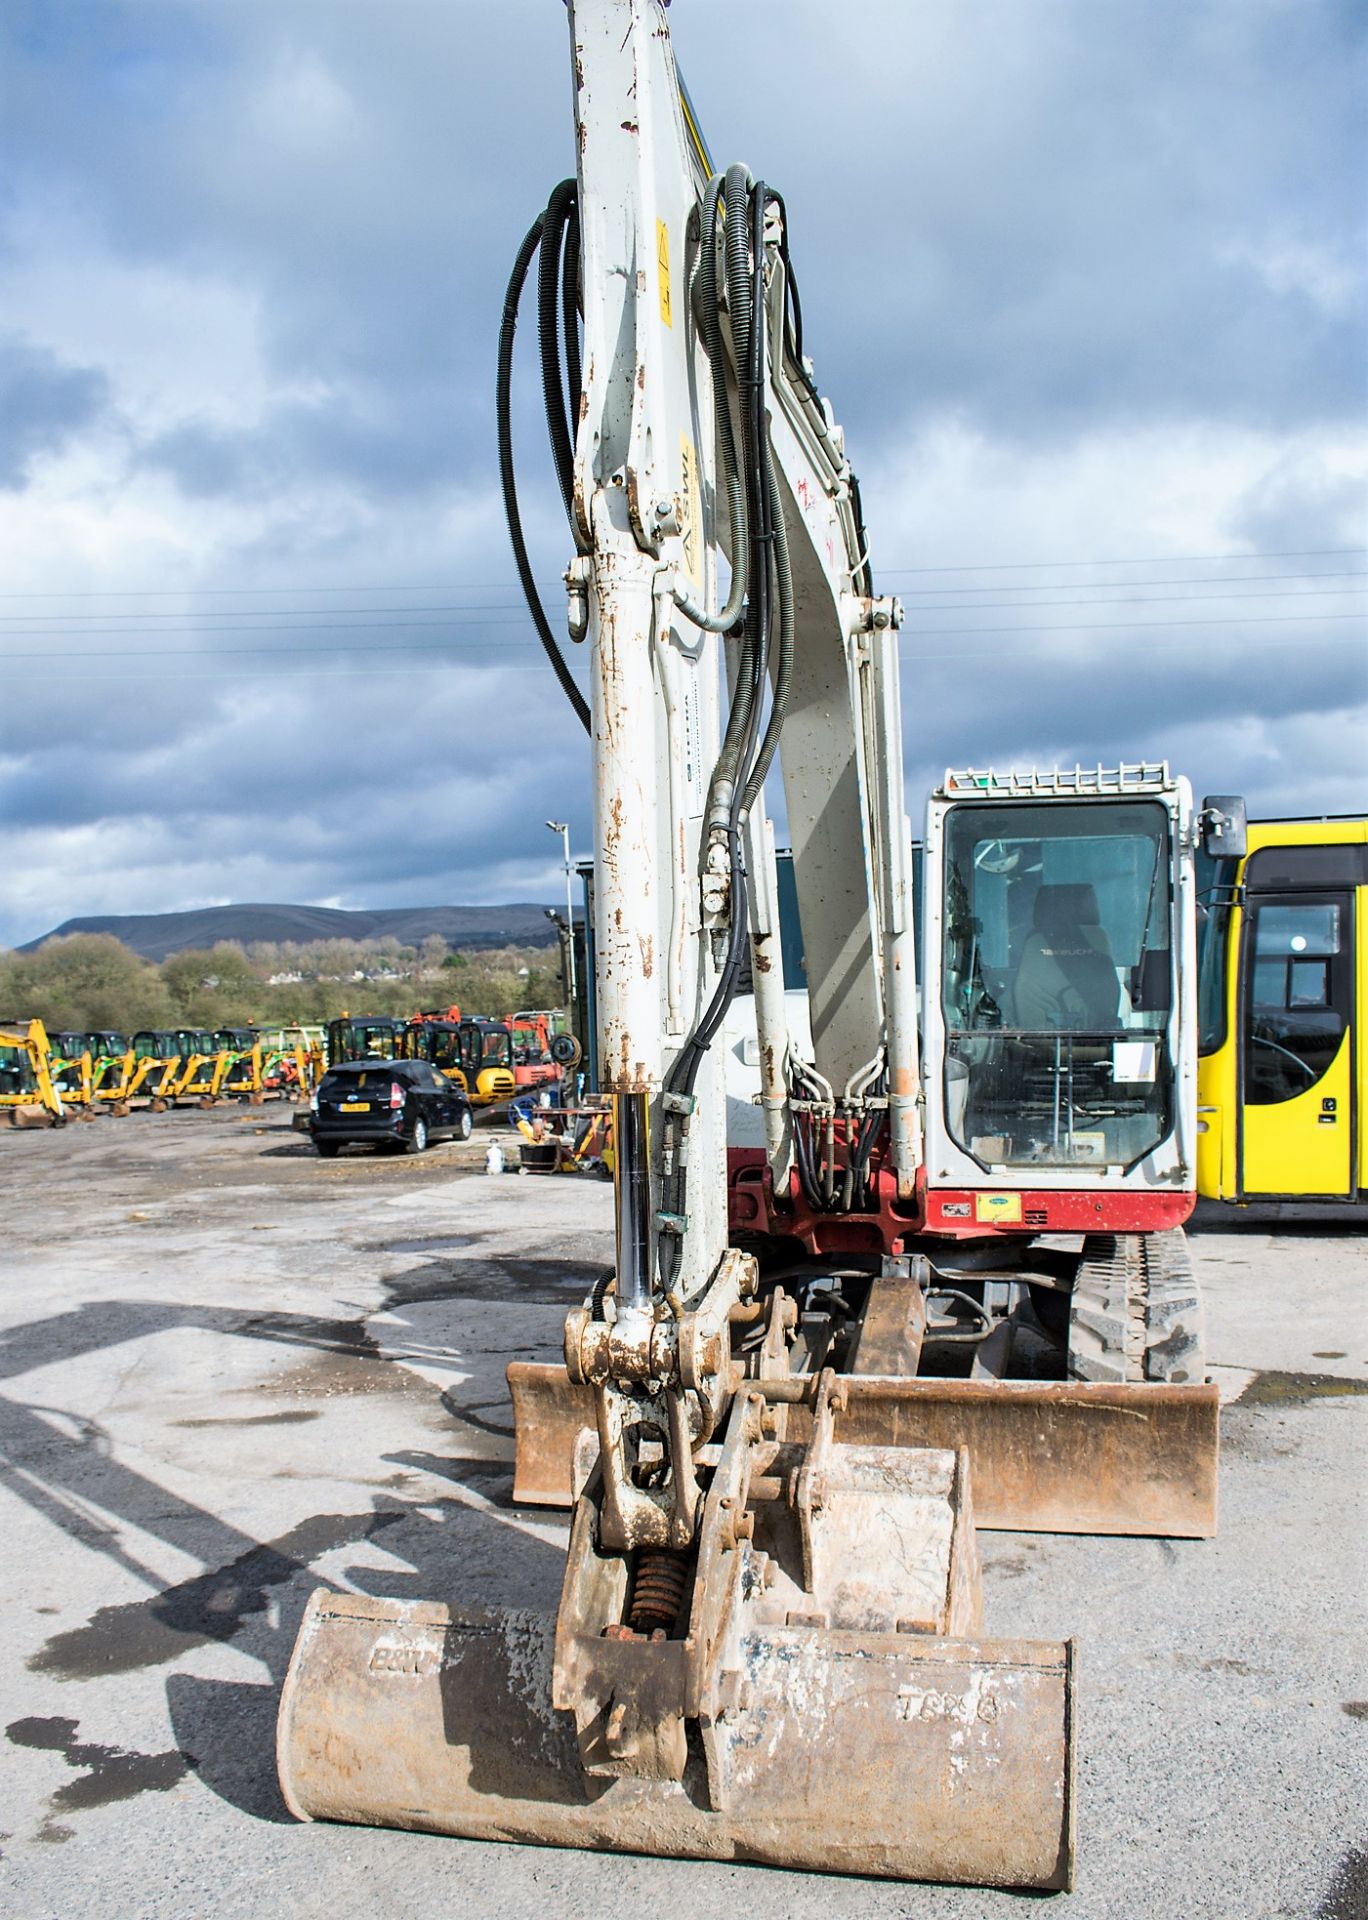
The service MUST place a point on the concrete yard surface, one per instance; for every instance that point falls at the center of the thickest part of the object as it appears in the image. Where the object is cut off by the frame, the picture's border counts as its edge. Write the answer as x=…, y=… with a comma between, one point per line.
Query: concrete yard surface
x=231, y=1371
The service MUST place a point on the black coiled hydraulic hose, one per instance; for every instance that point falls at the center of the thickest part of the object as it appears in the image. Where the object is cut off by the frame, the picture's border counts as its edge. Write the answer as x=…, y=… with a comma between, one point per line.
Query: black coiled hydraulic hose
x=555, y=309
x=503, y=415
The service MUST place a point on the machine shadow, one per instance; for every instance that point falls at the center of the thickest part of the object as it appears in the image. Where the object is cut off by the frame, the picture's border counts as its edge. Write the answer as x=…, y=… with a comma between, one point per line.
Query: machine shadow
x=252, y=1592
x=1281, y=1219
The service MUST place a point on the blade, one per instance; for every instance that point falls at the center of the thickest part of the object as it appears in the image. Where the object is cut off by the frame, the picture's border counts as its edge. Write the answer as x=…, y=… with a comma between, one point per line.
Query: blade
x=1047, y=1456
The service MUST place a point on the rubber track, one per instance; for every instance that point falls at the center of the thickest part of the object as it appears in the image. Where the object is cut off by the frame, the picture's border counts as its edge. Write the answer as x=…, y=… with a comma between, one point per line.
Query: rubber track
x=1136, y=1312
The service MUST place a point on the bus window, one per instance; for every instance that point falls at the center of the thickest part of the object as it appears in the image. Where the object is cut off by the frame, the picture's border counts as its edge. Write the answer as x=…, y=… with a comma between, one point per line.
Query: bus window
x=1295, y=1026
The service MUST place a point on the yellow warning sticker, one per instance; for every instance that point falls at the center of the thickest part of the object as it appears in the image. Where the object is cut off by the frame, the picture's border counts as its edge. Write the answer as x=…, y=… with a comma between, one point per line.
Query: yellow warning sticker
x=692, y=498
x=663, y=270
x=999, y=1208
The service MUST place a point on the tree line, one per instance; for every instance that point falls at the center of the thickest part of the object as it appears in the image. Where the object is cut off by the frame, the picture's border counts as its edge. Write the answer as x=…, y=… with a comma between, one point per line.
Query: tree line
x=88, y=981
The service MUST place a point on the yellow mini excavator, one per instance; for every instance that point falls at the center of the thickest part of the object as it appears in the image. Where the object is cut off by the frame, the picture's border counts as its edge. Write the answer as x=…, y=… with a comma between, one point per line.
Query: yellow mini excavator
x=28, y=1096
x=876, y=1279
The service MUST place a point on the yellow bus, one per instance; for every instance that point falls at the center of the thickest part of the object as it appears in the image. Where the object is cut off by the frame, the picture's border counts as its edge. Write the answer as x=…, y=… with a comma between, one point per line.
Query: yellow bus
x=1282, y=969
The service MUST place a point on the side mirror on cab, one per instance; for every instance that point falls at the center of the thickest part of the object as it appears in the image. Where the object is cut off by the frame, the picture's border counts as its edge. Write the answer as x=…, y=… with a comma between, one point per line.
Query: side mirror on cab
x=1225, y=826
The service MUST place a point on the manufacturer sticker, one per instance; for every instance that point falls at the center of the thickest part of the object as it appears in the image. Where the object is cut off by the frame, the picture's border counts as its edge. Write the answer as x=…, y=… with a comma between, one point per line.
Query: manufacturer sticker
x=692, y=499
x=663, y=271
x=998, y=1208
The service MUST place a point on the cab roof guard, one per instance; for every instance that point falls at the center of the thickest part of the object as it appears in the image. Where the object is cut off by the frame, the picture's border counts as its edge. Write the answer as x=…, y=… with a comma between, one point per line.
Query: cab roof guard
x=1143, y=776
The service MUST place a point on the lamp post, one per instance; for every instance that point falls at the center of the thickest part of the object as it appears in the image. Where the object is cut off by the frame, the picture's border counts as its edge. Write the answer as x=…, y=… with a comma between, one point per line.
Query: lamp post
x=562, y=828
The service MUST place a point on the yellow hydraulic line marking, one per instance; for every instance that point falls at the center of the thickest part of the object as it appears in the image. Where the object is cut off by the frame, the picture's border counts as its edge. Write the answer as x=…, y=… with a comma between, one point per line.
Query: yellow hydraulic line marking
x=694, y=131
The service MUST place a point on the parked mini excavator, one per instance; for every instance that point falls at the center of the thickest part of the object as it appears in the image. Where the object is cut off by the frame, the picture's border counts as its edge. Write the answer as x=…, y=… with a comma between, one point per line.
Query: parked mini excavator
x=474, y=1053
x=156, y=1069
x=28, y=1097
x=918, y=1280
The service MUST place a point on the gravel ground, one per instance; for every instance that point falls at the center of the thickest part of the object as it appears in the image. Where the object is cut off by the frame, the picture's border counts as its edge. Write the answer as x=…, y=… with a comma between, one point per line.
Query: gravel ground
x=230, y=1370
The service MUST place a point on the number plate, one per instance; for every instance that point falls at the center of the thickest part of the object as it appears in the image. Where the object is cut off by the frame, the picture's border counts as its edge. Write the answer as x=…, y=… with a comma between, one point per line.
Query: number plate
x=355, y=1106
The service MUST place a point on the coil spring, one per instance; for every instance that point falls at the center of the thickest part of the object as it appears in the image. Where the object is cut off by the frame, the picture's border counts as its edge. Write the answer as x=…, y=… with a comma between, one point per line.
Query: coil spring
x=657, y=1589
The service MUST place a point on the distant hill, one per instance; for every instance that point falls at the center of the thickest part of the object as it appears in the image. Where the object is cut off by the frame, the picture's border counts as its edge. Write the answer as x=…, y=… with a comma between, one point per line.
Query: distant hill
x=473, y=929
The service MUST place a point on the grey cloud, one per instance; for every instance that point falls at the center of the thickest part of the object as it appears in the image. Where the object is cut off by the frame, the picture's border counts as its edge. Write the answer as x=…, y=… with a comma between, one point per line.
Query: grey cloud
x=42, y=404
x=388, y=444
x=1303, y=502
x=1039, y=222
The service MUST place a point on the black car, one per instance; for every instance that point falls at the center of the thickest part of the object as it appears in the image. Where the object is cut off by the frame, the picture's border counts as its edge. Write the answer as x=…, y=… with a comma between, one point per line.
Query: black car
x=379, y=1103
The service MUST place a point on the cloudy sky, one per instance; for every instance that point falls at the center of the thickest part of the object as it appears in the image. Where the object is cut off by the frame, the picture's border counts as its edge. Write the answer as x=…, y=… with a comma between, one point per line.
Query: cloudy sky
x=1083, y=278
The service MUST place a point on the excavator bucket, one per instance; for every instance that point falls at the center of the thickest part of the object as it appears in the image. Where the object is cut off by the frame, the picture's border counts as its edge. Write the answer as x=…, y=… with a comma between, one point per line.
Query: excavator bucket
x=825, y=1699
x=884, y=1755
x=1049, y=1456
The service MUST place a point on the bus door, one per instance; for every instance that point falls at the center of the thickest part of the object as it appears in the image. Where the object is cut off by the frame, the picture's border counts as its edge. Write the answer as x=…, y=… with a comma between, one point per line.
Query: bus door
x=1297, y=1044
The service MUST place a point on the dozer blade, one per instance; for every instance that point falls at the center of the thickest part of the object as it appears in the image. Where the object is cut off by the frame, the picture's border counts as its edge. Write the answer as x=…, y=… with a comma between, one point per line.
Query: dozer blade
x=1048, y=1456
x=904, y=1756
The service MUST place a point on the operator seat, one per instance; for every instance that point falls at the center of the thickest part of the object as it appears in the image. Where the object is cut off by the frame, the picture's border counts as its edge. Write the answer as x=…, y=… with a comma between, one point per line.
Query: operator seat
x=1066, y=979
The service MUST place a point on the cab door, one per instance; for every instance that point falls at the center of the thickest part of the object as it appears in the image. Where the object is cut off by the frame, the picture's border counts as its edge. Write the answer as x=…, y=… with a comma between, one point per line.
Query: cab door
x=1297, y=1045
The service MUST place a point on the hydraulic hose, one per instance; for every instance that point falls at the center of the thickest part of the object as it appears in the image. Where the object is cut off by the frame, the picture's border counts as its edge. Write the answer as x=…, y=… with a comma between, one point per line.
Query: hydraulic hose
x=508, y=478
x=710, y=314
x=552, y=299
x=744, y=201
x=783, y=675
x=570, y=316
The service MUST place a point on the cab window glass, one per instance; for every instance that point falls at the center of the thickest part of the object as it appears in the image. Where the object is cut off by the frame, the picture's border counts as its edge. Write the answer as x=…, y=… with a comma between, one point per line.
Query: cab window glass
x=1058, y=982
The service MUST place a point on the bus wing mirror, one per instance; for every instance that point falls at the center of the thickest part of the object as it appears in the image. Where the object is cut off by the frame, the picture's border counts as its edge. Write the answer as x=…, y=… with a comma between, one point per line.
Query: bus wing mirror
x=1225, y=826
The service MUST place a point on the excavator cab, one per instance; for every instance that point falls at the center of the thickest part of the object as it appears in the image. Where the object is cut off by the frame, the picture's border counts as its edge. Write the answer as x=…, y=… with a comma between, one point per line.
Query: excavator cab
x=1059, y=998
x=156, y=1066
x=487, y=1061
x=72, y=1070
x=477, y=1055
x=377, y=1036
x=243, y=1074
x=112, y=1067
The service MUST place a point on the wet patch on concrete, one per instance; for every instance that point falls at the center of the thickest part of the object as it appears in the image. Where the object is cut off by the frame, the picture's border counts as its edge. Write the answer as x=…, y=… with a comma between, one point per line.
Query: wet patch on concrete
x=423, y=1243
x=1274, y=1389
x=1346, y=1897
x=323, y=1378
x=1011, y=1566
x=111, y=1773
x=286, y=1419
x=212, y=1606
x=505, y=1279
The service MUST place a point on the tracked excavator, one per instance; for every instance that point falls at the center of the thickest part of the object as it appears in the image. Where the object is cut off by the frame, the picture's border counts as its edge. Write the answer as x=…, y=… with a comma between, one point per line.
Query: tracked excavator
x=874, y=1281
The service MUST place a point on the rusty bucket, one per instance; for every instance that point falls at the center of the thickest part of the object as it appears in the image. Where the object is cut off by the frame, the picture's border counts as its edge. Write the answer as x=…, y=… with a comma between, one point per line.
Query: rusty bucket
x=903, y=1756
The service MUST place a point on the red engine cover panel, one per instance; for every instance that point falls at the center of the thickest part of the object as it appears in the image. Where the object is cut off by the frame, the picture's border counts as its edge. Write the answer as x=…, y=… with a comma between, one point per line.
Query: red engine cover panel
x=949, y=1213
